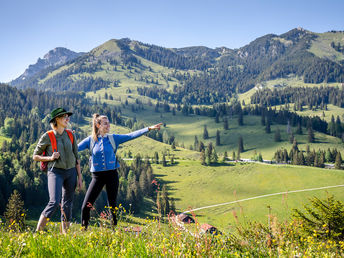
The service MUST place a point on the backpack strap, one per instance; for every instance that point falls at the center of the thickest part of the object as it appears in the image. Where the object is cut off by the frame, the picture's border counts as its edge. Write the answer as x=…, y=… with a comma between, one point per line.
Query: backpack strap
x=112, y=141
x=70, y=134
x=52, y=140
x=91, y=144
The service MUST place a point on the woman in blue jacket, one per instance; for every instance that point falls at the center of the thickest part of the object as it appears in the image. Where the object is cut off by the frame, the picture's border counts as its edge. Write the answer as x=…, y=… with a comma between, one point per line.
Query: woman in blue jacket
x=104, y=163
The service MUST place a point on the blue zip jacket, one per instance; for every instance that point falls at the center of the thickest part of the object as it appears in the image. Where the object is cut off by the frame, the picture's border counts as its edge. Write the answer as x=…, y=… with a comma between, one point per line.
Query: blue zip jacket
x=103, y=155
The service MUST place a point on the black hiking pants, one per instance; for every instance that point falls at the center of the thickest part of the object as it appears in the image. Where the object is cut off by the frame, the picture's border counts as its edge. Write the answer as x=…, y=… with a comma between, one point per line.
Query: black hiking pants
x=109, y=179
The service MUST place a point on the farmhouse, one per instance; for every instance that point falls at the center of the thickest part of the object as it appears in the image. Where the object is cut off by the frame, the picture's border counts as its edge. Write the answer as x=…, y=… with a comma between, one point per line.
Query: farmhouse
x=185, y=218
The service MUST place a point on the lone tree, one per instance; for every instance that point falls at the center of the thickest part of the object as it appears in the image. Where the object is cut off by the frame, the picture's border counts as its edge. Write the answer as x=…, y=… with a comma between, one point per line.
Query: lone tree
x=15, y=212
x=240, y=119
x=225, y=157
x=164, y=162
x=156, y=157
x=310, y=135
x=205, y=133
x=268, y=126
x=218, y=140
x=208, y=153
x=338, y=162
x=240, y=144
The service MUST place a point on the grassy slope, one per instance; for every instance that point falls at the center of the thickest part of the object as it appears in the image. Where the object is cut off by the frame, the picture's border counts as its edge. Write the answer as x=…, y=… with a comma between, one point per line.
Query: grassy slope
x=194, y=185
x=322, y=45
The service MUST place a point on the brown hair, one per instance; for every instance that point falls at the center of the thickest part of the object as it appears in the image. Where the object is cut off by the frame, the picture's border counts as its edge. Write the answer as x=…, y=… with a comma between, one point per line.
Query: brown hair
x=97, y=119
x=53, y=124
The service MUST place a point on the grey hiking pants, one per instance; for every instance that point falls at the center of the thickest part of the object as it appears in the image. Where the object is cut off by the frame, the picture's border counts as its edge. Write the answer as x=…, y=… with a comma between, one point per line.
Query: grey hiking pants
x=61, y=187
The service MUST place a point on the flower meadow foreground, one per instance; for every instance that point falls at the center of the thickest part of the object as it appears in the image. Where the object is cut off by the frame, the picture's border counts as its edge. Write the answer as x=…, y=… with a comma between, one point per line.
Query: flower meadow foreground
x=316, y=233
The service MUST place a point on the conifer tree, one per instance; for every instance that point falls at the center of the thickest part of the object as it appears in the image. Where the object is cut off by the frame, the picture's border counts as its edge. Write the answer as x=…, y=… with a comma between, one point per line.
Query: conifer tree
x=295, y=148
x=225, y=156
x=268, y=126
x=205, y=133
x=164, y=163
x=240, y=145
x=338, y=162
x=218, y=141
x=196, y=143
x=173, y=205
x=260, y=157
x=202, y=156
x=201, y=146
x=143, y=182
x=156, y=157
x=15, y=212
x=209, y=153
x=240, y=119
x=173, y=145
x=214, y=157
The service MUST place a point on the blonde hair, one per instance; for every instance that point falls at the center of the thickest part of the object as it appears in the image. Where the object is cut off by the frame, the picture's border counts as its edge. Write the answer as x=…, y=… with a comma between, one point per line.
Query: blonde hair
x=97, y=119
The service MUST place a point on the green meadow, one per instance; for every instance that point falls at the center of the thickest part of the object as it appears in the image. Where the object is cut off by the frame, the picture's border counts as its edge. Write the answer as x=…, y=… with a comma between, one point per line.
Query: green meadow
x=195, y=186
x=321, y=46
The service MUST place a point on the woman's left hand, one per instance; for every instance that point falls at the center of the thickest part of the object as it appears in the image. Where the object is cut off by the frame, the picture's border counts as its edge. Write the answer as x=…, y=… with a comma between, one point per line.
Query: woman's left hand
x=155, y=127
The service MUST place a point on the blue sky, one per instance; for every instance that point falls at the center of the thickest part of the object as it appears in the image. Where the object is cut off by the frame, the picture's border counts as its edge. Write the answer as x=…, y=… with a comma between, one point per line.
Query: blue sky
x=30, y=28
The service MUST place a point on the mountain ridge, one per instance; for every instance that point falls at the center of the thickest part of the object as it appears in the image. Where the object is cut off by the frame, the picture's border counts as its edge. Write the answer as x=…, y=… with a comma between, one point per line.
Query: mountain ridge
x=206, y=71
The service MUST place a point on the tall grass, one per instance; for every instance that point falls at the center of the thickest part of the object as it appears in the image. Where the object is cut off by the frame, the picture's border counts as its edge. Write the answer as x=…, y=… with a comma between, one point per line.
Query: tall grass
x=286, y=239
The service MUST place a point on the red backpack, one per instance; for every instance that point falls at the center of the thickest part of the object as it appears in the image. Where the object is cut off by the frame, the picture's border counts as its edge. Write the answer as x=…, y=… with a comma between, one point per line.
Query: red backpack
x=44, y=164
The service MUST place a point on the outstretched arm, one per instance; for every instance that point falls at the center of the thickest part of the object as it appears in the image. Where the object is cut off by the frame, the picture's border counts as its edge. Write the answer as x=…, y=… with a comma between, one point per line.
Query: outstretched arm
x=121, y=138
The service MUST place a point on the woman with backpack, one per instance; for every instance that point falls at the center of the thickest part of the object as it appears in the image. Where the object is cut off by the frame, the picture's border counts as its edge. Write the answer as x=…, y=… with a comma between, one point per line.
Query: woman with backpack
x=59, y=148
x=103, y=163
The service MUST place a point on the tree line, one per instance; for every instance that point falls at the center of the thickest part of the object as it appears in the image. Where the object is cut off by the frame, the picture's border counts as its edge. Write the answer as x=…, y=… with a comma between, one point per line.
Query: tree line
x=312, y=97
x=309, y=157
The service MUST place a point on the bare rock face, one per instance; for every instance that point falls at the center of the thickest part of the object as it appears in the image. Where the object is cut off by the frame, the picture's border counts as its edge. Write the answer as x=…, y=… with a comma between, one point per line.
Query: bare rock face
x=57, y=56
